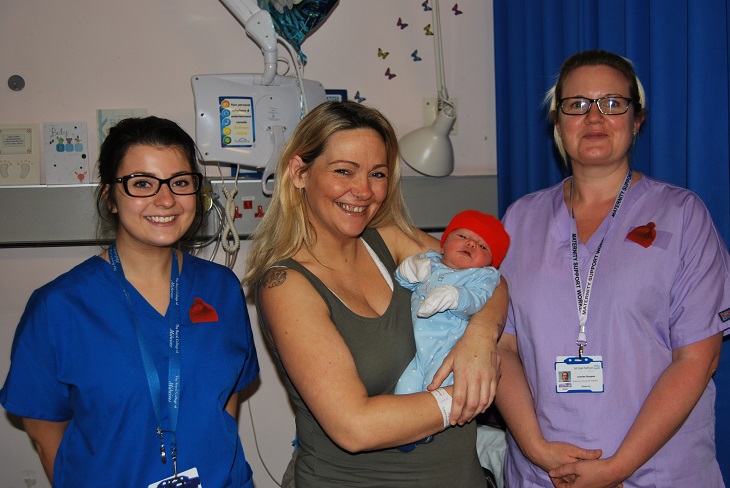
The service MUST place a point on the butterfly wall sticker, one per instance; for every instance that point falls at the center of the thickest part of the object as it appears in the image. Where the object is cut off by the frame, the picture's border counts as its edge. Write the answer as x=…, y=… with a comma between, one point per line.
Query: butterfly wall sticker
x=359, y=98
x=425, y=6
x=456, y=10
x=383, y=54
x=415, y=55
x=428, y=30
x=401, y=24
x=389, y=74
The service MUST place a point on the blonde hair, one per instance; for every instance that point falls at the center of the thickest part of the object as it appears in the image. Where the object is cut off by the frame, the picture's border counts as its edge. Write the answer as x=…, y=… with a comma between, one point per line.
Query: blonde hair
x=593, y=58
x=285, y=227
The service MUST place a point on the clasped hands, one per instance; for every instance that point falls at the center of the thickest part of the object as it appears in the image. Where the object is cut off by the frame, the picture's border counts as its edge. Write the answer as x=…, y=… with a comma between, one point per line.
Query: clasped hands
x=571, y=466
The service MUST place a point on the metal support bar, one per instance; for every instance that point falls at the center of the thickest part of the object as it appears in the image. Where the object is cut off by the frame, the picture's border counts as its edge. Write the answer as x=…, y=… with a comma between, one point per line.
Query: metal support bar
x=65, y=215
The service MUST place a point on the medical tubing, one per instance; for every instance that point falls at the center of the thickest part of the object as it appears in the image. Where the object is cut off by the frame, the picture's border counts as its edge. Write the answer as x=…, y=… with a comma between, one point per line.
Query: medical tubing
x=304, y=109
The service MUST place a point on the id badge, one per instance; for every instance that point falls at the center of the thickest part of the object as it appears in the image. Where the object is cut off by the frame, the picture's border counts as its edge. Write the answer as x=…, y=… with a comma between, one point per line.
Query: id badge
x=186, y=479
x=579, y=375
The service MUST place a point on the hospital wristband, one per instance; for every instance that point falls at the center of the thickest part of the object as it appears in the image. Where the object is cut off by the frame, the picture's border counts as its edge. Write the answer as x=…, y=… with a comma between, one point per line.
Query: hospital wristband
x=444, y=401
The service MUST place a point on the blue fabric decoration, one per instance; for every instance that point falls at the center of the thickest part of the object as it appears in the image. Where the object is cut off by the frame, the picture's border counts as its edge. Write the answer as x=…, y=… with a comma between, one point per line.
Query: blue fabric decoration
x=296, y=22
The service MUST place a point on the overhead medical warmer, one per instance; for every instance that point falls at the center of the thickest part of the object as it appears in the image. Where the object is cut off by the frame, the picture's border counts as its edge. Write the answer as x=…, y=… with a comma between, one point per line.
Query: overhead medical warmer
x=245, y=119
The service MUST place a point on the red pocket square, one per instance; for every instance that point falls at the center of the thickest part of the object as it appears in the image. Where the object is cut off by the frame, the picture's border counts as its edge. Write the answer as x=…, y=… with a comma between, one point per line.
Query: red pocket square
x=643, y=235
x=202, y=312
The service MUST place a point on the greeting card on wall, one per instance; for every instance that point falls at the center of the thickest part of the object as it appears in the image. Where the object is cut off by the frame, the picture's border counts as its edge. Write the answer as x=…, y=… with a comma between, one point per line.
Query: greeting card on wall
x=66, y=156
x=20, y=159
x=107, y=118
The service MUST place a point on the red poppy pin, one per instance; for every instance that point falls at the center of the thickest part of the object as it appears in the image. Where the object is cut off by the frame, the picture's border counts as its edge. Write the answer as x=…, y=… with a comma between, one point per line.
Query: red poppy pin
x=643, y=235
x=202, y=312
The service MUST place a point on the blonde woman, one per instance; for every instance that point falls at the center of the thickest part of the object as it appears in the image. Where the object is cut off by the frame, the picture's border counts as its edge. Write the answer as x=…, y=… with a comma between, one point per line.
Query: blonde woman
x=322, y=266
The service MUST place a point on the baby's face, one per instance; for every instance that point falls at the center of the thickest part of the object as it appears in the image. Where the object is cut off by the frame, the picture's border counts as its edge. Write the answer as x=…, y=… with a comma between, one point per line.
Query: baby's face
x=464, y=248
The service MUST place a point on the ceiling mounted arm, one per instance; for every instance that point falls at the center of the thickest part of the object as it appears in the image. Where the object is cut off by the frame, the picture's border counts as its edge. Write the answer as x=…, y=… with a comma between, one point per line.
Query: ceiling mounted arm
x=260, y=27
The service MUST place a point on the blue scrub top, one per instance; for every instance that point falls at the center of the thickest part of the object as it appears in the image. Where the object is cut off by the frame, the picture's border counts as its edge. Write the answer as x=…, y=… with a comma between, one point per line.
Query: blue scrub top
x=76, y=357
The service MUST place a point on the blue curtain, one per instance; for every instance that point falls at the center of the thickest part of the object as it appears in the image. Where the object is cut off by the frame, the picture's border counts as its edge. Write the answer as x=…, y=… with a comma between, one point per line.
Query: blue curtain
x=680, y=49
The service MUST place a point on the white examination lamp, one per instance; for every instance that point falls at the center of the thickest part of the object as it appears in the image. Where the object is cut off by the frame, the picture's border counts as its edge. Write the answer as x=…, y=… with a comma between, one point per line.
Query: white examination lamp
x=428, y=150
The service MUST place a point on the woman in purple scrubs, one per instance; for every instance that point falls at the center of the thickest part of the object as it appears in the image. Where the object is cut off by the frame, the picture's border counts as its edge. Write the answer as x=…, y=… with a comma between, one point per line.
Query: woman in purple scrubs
x=622, y=282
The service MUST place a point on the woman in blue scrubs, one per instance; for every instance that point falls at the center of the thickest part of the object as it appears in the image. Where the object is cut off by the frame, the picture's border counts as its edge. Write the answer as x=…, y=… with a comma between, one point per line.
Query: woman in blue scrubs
x=126, y=369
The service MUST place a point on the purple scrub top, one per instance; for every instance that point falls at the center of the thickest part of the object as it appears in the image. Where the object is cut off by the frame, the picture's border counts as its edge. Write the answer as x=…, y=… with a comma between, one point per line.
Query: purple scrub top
x=645, y=302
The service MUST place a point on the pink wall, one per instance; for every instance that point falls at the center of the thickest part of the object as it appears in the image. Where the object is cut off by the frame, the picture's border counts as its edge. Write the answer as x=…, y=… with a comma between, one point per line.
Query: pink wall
x=82, y=55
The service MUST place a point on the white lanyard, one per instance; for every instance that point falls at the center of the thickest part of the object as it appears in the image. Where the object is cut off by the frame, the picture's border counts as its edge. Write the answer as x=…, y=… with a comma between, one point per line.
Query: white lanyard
x=583, y=295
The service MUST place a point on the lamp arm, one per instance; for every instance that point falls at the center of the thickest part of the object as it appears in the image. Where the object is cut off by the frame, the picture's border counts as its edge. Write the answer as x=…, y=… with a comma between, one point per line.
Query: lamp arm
x=440, y=77
x=260, y=27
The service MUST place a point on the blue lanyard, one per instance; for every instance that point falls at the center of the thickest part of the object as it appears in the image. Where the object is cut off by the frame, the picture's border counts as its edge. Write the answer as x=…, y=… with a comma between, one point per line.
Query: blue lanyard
x=153, y=380
x=583, y=295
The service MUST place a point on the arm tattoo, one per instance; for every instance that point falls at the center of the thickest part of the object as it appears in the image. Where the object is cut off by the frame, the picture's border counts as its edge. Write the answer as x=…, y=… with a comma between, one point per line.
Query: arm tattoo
x=275, y=277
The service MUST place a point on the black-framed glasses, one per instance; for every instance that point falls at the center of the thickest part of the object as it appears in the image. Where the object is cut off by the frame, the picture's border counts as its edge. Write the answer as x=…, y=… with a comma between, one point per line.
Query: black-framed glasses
x=607, y=105
x=141, y=186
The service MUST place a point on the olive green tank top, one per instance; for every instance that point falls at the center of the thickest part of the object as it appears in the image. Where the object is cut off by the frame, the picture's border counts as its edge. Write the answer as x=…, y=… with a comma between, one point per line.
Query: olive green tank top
x=382, y=347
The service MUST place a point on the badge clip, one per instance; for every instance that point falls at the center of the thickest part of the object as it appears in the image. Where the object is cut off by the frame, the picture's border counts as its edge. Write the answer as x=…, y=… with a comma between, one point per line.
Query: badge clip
x=163, y=454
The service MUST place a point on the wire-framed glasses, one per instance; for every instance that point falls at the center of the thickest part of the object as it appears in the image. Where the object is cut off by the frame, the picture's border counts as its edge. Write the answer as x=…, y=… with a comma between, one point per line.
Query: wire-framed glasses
x=141, y=186
x=607, y=105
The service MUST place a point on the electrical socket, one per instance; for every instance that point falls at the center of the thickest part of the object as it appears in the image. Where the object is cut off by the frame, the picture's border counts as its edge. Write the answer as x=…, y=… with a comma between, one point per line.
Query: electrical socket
x=430, y=109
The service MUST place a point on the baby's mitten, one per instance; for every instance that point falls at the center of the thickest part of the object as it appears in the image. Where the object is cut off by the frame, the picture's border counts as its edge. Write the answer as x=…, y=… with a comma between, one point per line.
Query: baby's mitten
x=415, y=268
x=441, y=298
